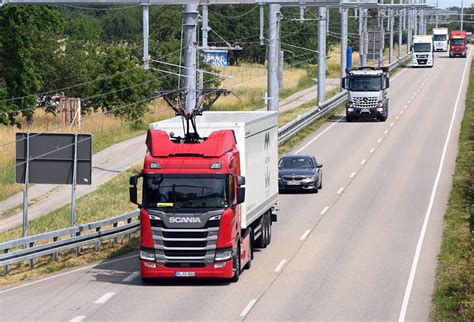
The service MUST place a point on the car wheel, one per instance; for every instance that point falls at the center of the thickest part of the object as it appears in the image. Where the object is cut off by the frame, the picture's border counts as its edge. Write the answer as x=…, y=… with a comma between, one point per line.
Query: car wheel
x=321, y=181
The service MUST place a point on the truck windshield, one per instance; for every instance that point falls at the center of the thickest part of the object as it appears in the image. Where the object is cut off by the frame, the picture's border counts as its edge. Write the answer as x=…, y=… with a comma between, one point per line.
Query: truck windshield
x=422, y=47
x=457, y=42
x=185, y=191
x=365, y=83
x=439, y=38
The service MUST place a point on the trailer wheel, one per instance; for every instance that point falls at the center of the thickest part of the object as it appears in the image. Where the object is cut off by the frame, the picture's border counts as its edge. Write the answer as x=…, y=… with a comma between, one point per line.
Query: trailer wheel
x=236, y=264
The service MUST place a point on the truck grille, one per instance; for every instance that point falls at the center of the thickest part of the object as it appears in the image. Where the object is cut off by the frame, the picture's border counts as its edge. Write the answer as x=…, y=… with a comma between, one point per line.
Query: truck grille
x=176, y=247
x=365, y=102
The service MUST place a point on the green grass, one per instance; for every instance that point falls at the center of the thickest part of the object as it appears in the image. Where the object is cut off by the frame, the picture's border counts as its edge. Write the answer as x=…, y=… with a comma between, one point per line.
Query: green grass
x=453, y=298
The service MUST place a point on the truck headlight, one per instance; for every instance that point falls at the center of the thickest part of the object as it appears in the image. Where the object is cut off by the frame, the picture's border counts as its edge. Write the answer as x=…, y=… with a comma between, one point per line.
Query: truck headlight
x=350, y=104
x=147, y=254
x=223, y=254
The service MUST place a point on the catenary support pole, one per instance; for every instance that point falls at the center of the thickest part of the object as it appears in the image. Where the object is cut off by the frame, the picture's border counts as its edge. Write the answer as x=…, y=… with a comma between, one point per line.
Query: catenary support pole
x=400, y=33
x=344, y=28
x=262, y=25
x=74, y=184
x=25, y=188
x=390, y=25
x=146, y=35
x=190, y=51
x=322, y=54
x=273, y=62
x=364, y=32
x=361, y=36
x=462, y=15
x=205, y=25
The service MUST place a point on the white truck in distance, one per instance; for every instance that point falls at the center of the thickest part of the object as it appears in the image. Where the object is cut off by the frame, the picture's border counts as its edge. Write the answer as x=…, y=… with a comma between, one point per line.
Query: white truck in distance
x=440, y=39
x=423, y=51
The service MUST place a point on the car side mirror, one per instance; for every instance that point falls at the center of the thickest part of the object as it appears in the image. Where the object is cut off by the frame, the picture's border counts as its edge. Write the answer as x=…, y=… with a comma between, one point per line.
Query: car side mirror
x=240, y=195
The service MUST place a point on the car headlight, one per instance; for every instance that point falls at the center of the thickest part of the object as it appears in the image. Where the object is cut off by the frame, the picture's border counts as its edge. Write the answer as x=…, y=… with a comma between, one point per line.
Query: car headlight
x=223, y=254
x=147, y=254
x=310, y=178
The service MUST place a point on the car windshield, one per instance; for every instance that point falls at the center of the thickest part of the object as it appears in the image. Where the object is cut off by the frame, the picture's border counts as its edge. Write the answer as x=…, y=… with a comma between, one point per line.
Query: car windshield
x=296, y=163
x=457, y=42
x=422, y=47
x=365, y=83
x=439, y=37
x=185, y=191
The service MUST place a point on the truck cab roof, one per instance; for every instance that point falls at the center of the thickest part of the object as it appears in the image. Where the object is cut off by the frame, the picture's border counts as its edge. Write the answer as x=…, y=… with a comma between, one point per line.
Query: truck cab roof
x=368, y=71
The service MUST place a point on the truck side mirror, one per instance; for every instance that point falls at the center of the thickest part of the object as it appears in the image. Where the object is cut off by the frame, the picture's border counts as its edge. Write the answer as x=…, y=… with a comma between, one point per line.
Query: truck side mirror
x=240, y=181
x=387, y=82
x=343, y=83
x=240, y=195
x=133, y=189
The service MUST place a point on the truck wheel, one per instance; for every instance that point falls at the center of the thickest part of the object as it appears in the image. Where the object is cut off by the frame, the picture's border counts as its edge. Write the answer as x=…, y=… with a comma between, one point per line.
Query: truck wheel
x=146, y=280
x=349, y=118
x=261, y=242
x=382, y=118
x=269, y=228
x=236, y=264
x=249, y=263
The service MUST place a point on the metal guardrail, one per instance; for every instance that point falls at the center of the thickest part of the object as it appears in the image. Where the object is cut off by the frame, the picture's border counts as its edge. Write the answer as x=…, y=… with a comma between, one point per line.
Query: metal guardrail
x=51, y=243
x=301, y=122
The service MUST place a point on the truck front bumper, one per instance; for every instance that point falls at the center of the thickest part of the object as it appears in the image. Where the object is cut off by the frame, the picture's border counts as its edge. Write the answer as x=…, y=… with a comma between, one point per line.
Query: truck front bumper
x=365, y=112
x=150, y=269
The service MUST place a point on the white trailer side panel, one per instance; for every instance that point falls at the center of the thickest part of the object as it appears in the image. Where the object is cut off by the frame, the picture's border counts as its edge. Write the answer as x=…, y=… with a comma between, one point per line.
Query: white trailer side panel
x=257, y=141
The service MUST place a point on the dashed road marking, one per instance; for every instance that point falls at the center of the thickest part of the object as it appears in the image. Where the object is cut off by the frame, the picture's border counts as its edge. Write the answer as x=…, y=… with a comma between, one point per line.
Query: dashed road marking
x=385, y=132
x=397, y=117
x=248, y=307
x=392, y=124
x=363, y=161
x=352, y=175
x=131, y=277
x=104, y=298
x=78, y=318
x=340, y=190
x=372, y=150
x=379, y=140
x=306, y=233
x=324, y=210
x=279, y=267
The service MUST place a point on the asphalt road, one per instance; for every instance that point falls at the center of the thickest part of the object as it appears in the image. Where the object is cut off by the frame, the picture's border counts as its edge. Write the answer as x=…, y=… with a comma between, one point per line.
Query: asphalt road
x=351, y=252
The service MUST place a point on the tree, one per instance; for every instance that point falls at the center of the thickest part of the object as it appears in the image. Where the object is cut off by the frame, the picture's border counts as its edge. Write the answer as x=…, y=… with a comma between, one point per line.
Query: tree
x=27, y=36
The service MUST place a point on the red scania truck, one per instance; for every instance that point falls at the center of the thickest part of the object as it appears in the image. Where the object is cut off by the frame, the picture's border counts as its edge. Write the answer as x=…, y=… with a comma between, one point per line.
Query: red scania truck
x=458, y=43
x=207, y=202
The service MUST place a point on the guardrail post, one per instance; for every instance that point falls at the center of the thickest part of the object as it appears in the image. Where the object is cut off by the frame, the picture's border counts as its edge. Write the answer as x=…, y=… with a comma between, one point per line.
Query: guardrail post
x=32, y=261
x=5, y=268
x=55, y=255
x=129, y=236
x=97, y=246
x=78, y=249
x=115, y=239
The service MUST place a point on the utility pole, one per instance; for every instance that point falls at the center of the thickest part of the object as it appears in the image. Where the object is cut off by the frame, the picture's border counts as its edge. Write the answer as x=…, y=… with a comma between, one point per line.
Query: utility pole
x=146, y=35
x=382, y=45
x=361, y=36
x=205, y=37
x=364, y=32
x=322, y=55
x=462, y=15
x=344, y=28
x=190, y=49
x=437, y=15
x=390, y=23
x=273, y=61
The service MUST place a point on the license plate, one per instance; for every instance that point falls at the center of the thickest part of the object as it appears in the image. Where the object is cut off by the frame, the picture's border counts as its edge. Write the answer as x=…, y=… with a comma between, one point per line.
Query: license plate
x=293, y=183
x=365, y=110
x=185, y=274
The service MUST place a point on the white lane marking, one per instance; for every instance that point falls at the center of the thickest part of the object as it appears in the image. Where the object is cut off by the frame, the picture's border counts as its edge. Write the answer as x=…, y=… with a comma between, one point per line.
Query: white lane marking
x=405, y=106
x=352, y=175
x=104, y=298
x=338, y=120
x=416, y=258
x=279, y=267
x=78, y=318
x=397, y=117
x=372, y=150
x=319, y=135
x=341, y=189
x=248, y=307
x=363, y=161
x=131, y=277
x=385, y=132
x=392, y=124
x=324, y=210
x=401, y=112
x=379, y=140
x=306, y=233
x=67, y=273
x=408, y=102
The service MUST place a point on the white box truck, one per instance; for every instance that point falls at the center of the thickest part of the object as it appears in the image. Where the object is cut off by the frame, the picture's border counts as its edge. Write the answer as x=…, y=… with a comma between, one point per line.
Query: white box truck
x=440, y=39
x=207, y=202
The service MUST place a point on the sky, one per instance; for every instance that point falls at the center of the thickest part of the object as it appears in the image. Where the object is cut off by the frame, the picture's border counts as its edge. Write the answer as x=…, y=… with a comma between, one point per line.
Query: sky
x=451, y=3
